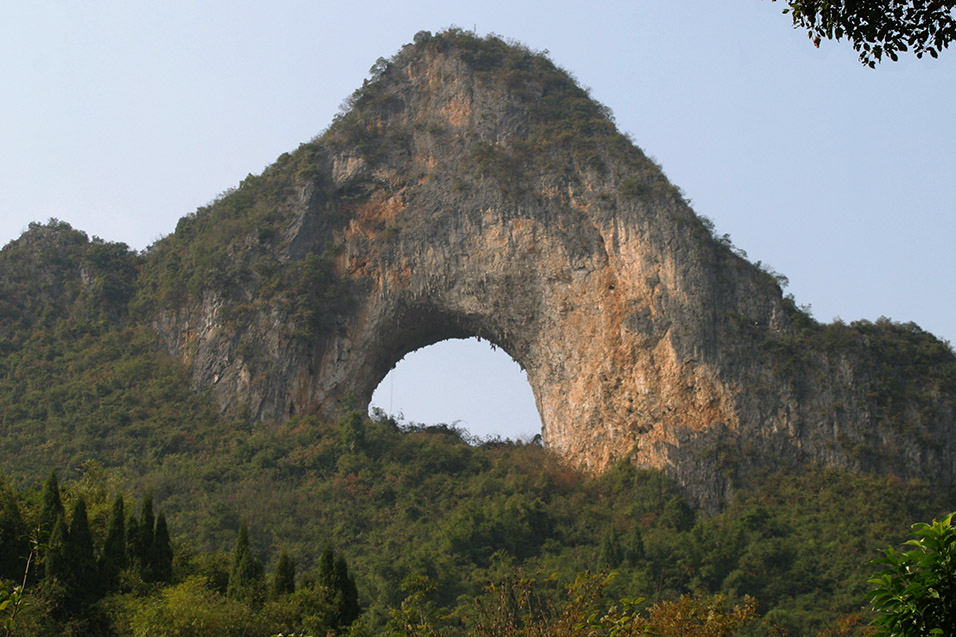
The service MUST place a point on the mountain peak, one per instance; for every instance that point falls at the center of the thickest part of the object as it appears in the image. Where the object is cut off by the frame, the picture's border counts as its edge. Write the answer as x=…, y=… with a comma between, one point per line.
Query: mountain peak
x=484, y=93
x=472, y=188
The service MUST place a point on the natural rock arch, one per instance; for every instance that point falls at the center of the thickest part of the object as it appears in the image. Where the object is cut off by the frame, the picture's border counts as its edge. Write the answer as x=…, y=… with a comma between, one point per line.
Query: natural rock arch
x=474, y=190
x=468, y=383
x=431, y=331
x=576, y=325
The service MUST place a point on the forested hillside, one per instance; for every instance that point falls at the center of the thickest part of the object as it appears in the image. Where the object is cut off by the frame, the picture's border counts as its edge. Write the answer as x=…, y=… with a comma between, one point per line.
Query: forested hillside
x=426, y=522
x=143, y=493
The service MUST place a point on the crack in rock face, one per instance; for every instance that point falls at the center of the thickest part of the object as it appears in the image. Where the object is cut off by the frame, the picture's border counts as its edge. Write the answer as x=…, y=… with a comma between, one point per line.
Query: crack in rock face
x=474, y=189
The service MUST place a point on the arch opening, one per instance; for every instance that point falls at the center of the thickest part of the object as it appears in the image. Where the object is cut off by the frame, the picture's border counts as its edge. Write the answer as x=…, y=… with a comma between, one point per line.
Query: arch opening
x=465, y=382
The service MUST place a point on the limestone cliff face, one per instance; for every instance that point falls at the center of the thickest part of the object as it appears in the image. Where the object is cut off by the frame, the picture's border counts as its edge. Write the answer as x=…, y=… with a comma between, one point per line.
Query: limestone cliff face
x=474, y=190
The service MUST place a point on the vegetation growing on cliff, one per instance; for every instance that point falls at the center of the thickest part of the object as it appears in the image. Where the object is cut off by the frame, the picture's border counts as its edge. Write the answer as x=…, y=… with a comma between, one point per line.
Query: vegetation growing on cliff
x=234, y=249
x=902, y=366
x=565, y=130
x=54, y=273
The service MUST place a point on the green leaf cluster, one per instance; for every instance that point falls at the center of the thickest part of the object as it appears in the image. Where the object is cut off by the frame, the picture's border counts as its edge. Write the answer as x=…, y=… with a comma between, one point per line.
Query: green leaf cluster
x=879, y=28
x=915, y=593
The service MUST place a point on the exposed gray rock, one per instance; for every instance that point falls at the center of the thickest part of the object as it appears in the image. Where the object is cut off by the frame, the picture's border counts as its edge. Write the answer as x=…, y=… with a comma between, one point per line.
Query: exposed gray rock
x=470, y=198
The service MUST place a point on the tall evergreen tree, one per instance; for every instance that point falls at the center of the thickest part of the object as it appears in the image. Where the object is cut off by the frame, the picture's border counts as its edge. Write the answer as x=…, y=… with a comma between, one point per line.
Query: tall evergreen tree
x=13, y=538
x=147, y=531
x=50, y=511
x=326, y=575
x=610, y=554
x=134, y=550
x=56, y=564
x=283, y=582
x=82, y=577
x=346, y=595
x=161, y=562
x=56, y=578
x=341, y=591
x=246, y=571
x=113, y=557
x=52, y=507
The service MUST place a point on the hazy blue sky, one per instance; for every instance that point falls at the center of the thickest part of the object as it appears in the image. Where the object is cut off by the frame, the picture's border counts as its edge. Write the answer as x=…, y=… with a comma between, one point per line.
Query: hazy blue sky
x=119, y=117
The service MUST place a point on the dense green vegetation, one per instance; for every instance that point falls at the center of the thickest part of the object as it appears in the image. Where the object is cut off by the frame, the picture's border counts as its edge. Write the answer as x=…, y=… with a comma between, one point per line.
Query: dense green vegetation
x=914, y=593
x=427, y=522
x=106, y=573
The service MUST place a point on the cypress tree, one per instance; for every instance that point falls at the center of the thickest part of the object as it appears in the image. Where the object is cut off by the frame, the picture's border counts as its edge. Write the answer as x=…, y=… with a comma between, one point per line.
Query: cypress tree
x=240, y=559
x=283, y=582
x=346, y=594
x=113, y=558
x=326, y=576
x=50, y=511
x=144, y=548
x=246, y=571
x=162, y=556
x=610, y=552
x=80, y=541
x=13, y=541
x=52, y=506
x=57, y=567
x=56, y=580
x=340, y=588
x=134, y=549
x=81, y=571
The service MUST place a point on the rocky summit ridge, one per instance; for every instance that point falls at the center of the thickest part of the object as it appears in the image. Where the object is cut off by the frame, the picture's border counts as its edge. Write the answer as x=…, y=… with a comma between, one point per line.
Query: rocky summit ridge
x=472, y=188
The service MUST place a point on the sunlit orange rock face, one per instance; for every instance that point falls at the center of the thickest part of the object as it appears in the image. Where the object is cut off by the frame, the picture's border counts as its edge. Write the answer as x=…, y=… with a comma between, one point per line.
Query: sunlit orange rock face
x=473, y=189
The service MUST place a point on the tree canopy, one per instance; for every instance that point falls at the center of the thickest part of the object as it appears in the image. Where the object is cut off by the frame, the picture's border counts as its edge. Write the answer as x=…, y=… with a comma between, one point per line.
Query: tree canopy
x=879, y=28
